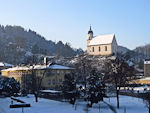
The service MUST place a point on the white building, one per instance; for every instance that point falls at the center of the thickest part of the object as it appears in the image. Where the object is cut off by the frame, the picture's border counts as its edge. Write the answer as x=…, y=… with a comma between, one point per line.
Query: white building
x=101, y=45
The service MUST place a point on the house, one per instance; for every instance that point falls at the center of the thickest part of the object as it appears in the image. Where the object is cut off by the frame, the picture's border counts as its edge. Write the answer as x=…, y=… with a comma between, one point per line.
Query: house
x=50, y=76
x=146, y=78
x=101, y=45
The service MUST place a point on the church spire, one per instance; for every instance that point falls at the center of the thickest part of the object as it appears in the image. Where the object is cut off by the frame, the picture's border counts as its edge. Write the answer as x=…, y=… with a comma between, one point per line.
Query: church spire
x=90, y=33
x=90, y=28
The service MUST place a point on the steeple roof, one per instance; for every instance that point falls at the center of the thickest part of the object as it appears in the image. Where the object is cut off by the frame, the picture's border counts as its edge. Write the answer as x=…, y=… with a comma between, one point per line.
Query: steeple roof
x=90, y=31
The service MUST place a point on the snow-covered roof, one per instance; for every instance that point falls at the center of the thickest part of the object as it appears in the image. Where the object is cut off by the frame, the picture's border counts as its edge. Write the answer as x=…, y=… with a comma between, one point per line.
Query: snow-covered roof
x=2, y=64
x=54, y=66
x=146, y=78
x=16, y=68
x=102, y=39
x=146, y=62
x=50, y=91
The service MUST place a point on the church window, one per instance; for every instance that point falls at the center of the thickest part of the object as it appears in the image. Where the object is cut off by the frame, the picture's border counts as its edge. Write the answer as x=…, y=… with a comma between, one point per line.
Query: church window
x=105, y=48
x=99, y=49
x=93, y=49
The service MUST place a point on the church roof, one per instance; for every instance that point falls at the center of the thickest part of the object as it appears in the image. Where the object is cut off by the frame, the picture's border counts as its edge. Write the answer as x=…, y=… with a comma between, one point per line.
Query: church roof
x=102, y=39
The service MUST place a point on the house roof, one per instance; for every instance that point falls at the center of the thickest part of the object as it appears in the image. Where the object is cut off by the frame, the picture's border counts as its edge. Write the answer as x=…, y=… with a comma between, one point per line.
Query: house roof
x=146, y=62
x=102, y=39
x=54, y=66
x=2, y=64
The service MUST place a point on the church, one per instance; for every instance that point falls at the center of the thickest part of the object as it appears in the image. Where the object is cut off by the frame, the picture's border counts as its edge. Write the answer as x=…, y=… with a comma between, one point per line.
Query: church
x=104, y=45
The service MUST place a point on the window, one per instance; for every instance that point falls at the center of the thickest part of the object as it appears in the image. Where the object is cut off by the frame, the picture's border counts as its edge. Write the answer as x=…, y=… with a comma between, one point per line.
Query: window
x=54, y=72
x=49, y=82
x=105, y=48
x=58, y=72
x=48, y=74
x=99, y=49
x=63, y=72
x=93, y=49
x=60, y=80
x=53, y=81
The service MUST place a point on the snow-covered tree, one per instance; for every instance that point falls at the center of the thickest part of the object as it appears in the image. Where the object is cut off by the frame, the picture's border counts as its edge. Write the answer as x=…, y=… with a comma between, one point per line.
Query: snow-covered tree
x=10, y=85
x=69, y=88
x=95, y=88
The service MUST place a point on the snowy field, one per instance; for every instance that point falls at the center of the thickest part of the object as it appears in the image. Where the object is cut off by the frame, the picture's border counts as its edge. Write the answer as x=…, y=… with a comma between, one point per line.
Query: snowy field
x=132, y=105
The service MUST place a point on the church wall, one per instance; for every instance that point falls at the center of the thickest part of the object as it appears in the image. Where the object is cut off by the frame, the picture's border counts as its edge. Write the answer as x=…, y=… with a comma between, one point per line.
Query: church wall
x=114, y=46
x=102, y=49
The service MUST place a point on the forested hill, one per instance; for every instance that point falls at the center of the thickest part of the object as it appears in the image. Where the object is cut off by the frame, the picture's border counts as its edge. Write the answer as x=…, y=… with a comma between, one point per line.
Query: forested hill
x=17, y=44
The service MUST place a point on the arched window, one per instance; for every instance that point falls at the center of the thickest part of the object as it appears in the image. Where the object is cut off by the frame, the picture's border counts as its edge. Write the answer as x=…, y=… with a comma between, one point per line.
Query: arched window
x=99, y=49
x=105, y=48
x=93, y=49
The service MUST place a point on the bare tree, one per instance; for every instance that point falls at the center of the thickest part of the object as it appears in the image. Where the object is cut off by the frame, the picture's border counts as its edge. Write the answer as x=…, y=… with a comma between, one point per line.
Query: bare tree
x=83, y=68
x=36, y=80
x=118, y=72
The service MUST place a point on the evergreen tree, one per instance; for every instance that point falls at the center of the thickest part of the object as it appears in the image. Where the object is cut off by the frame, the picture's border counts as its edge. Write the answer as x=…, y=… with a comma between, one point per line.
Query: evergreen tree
x=95, y=88
x=10, y=85
x=69, y=88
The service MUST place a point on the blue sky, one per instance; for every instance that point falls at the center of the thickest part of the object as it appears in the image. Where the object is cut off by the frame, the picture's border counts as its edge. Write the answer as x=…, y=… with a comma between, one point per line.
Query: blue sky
x=69, y=20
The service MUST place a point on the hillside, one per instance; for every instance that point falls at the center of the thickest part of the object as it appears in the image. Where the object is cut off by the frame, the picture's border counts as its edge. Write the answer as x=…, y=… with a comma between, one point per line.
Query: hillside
x=18, y=44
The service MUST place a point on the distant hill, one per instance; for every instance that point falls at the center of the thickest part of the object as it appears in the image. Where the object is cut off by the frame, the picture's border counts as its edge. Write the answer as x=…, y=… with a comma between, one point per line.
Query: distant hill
x=137, y=55
x=122, y=49
x=18, y=44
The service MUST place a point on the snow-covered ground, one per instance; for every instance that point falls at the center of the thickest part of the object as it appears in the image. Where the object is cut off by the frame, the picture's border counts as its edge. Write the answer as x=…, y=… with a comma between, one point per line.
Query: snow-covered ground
x=132, y=105
x=140, y=89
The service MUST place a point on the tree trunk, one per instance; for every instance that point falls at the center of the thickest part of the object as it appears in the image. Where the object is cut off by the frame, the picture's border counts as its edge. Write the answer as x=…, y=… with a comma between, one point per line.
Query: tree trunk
x=36, y=97
x=117, y=94
x=117, y=99
x=149, y=106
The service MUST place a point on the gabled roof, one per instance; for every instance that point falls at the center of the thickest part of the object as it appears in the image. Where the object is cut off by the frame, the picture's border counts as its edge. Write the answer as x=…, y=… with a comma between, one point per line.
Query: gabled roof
x=102, y=39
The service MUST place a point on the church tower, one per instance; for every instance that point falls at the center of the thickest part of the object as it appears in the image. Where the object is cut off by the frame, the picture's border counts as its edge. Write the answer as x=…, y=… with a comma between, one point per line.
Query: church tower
x=90, y=34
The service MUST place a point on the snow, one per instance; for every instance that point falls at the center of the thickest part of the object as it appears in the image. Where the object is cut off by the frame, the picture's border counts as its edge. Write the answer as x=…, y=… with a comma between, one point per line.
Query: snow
x=17, y=68
x=131, y=104
x=139, y=70
x=141, y=89
x=50, y=91
x=130, y=63
x=5, y=64
x=55, y=66
x=102, y=39
x=146, y=78
x=28, y=53
x=146, y=62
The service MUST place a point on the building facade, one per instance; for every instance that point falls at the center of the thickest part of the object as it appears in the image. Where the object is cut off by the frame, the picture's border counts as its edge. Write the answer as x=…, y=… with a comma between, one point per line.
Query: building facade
x=147, y=68
x=50, y=77
x=101, y=45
